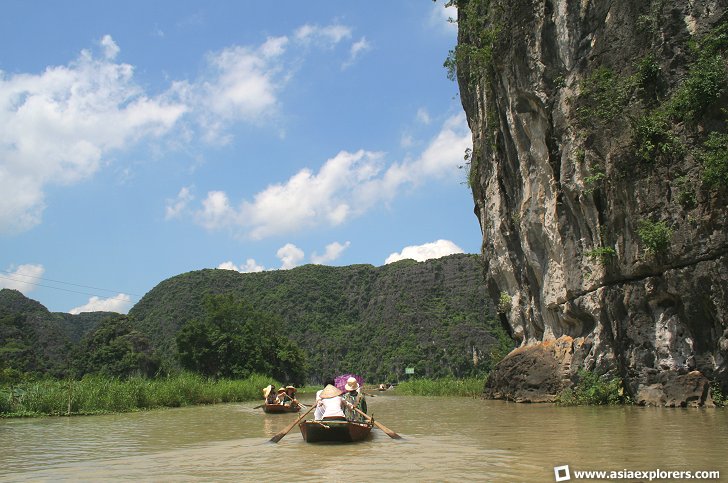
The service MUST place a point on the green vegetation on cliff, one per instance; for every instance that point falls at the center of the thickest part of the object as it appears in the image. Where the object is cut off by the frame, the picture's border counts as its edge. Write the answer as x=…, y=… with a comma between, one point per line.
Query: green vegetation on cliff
x=433, y=316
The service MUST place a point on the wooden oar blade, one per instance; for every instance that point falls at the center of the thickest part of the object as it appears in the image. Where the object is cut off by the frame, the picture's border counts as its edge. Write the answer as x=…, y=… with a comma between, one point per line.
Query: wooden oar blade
x=279, y=436
x=379, y=425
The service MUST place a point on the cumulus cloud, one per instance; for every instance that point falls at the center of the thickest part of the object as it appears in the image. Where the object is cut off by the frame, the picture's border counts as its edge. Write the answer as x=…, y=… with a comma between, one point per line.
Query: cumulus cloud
x=436, y=249
x=177, y=206
x=346, y=186
x=290, y=255
x=121, y=304
x=59, y=126
x=423, y=116
x=332, y=252
x=22, y=277
x=251, y=266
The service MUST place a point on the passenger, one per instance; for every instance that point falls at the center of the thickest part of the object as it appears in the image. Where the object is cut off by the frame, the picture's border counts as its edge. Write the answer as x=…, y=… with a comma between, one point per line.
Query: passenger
x=356, y=399
x=281, y=396
x=332, y=404
x=291, y=393
x=269, y=394
x=319, y=411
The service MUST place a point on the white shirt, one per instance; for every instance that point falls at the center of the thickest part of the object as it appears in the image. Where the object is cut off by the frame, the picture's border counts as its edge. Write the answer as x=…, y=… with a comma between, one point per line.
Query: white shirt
x=329, y=407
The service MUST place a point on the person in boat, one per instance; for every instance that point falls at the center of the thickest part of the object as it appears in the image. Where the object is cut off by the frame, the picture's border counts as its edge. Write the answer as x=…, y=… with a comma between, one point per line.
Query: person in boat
x=319, y=411
x=291, y=394
x=355, y=397
x=281, y=396
x=332, y=404
x=269, y=394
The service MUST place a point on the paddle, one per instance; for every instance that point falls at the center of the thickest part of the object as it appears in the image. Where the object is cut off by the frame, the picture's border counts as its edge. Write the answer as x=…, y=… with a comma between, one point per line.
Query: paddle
x=389, y=432
x=279, y=436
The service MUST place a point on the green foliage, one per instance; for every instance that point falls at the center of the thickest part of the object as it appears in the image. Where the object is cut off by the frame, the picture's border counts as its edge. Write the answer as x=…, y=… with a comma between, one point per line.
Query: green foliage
x=685, y=192
x=720, y=399
x=234, y=340
x=474, y=54
x=446, y=386
x=96, y=394
x=714, y=156
x=706, y=82
x=603, y=255
x=504, y=303
x=595, y=178
x=593, y=390
x=116, y=349
x=603, y=97
x=654, y=235
x=654, y=138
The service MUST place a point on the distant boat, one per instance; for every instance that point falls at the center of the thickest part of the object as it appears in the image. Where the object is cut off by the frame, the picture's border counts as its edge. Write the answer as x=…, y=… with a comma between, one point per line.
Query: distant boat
x=280, y=408
x=335, y=431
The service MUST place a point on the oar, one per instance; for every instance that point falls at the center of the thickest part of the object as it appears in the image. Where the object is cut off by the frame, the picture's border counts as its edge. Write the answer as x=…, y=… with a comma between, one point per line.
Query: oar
x=258, y=407
x=279, y=436
x=389, y=432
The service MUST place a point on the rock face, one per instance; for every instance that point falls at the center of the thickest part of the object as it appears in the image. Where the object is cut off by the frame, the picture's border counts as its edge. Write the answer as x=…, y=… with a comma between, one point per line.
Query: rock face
x=599, y=173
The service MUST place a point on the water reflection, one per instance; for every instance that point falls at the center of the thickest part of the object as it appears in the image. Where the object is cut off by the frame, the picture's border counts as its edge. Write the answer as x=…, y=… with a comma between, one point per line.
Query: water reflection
x=446, y=439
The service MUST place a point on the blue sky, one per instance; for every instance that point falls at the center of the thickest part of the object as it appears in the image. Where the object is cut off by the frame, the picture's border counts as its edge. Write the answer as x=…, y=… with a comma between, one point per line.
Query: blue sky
x=141, y=140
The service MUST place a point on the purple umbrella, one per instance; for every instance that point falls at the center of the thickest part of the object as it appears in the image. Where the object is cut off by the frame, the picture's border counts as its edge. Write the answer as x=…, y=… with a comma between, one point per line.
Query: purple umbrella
x=340, y=381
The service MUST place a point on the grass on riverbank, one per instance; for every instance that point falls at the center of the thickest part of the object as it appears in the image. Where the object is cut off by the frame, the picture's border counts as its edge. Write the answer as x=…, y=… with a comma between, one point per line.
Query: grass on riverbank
x=448, y=386
x=96, y=395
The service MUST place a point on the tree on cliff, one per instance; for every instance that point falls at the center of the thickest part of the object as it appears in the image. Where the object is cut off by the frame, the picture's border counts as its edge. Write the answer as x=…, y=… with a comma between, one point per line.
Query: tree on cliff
x=235, y=340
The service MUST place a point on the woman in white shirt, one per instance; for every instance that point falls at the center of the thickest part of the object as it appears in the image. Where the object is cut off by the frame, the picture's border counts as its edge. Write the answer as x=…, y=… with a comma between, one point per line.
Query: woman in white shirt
x=330, y=405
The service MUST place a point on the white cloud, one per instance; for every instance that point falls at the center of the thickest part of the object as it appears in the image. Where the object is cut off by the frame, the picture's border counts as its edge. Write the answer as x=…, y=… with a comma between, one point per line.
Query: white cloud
x=22, y=278
x=121, y=304
x=111, y=50
x=345, y=187
x=357, y=48
x=250, y=266
x=423, y=116
x=329, y=35
x=332, y=252
x=290, y=256
x=437, y=249
x=176, y=207
x=444, y=19
x=58, y=127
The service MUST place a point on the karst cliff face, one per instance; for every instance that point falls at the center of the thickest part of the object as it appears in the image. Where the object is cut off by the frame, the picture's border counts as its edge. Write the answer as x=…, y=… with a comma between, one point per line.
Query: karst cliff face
x=600, y=179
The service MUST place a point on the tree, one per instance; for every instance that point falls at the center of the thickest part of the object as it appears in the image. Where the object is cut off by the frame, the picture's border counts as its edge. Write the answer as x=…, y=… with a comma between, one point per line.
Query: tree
x=235, y=340
x=115, y=348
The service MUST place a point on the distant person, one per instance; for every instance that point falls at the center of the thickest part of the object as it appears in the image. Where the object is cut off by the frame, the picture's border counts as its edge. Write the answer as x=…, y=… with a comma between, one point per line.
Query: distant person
x=332, y=404
x=269, y=394
x=282, y=397
x=291, y=393
x=319, y=411
x=355, y=397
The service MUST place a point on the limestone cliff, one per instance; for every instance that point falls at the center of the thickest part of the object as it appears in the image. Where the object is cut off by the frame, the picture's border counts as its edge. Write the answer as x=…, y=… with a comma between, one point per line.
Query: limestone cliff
x=599, y=172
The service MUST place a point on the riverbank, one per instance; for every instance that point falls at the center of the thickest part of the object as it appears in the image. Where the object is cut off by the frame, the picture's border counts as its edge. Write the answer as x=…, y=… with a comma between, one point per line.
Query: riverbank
x=99, y=395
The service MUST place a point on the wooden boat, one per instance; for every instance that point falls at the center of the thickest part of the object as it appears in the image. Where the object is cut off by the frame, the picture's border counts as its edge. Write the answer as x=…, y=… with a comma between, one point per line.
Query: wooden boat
x=337, y=431
x=280, y=408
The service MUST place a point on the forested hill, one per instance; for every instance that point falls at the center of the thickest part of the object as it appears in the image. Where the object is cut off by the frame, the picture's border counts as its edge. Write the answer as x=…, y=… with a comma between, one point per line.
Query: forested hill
x=433, y=316
x=34, y=340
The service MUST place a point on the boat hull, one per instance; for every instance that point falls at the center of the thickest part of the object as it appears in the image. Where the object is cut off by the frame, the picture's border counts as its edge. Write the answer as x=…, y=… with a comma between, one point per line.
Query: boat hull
x=334, y=431
x=279, y=408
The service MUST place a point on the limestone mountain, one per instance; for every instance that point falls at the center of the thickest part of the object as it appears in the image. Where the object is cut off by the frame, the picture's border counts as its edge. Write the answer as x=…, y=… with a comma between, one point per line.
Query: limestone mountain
x=599, y=171
x=433, y=316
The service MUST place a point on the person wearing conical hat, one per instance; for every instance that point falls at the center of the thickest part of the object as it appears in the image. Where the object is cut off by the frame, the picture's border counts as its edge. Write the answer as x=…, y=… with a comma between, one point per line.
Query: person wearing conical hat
x=356, y=399
x=332, y=404
x=291, y=394
x=269, y=394
x=281, y=396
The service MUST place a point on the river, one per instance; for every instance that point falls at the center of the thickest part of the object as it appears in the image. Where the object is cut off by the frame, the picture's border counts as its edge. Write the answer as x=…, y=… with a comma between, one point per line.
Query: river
x=444, y=439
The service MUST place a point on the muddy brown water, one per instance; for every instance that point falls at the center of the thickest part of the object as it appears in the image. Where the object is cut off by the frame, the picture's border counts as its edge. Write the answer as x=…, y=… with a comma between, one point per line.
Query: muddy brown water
x=444, y=439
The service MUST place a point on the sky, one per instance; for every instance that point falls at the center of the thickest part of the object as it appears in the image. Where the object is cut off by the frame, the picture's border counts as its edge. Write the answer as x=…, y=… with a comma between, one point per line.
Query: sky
x=141, y=140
